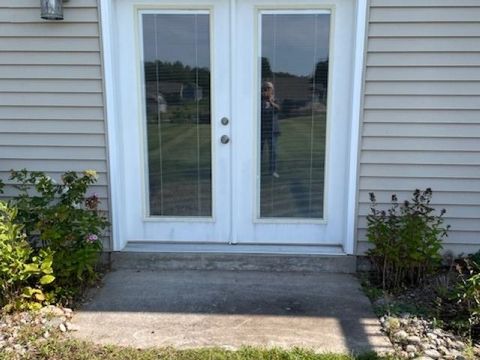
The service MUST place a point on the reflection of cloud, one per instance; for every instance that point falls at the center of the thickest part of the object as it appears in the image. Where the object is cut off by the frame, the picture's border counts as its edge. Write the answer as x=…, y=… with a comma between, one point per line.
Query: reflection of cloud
x=288, y=40
x=176, y=38
x=290, y=43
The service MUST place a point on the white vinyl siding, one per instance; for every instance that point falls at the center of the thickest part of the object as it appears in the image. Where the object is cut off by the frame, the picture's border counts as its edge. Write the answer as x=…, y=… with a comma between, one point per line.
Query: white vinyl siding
x=51, y=92
x=421, y=120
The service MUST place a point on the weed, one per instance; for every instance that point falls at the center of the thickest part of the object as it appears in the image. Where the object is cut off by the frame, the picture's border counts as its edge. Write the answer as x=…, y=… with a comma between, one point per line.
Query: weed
x=407, y=240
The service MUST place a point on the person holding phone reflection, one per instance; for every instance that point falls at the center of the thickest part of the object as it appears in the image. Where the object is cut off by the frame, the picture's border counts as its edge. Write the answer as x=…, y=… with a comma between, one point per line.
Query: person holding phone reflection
x=270, y=129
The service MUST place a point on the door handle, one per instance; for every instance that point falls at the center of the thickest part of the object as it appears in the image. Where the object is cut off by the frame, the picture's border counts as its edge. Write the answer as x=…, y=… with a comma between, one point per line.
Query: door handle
x=224, y=139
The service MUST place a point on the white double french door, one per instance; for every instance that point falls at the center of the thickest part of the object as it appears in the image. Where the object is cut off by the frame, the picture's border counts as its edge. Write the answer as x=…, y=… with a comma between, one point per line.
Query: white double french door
x=233, y=120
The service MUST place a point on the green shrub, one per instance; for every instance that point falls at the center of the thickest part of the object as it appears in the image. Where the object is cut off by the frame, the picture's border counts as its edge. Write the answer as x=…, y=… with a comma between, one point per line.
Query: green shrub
x=59, y=217
x=23, y=273
x=467, y=292
x=407, y=240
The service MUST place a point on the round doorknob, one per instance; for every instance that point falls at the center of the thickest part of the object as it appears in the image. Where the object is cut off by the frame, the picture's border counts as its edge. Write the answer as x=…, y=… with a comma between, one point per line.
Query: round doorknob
x=224, y=139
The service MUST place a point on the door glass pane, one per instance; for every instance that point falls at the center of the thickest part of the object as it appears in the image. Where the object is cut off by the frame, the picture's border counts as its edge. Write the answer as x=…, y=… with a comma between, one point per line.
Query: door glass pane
x=292, y=113
x=176, y=53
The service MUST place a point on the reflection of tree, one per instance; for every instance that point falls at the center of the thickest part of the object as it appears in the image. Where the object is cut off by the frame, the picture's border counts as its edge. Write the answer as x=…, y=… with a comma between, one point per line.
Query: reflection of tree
x=177, y=72
x=298, y=94
x=320, y=77
x=185, y=91
x=268, y=74
x=266, y=68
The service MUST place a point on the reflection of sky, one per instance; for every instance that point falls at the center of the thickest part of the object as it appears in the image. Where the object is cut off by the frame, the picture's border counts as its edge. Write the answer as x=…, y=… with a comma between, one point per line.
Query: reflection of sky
x=288, y=41
x=176, y=36
x=290, y=44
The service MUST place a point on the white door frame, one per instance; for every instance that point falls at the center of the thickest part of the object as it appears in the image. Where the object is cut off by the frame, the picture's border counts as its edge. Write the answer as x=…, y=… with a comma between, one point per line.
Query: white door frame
x=115, y=153
x=139, y=225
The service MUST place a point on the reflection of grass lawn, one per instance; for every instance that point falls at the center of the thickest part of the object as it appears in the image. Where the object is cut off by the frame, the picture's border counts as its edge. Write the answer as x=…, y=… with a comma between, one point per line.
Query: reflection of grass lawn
x=187, y=174
x=186, y=171
x=298, y=192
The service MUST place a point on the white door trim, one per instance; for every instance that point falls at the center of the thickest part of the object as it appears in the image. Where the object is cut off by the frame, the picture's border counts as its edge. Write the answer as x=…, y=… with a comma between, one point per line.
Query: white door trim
x=110, y=65
x=356, y=120
x=107, y=23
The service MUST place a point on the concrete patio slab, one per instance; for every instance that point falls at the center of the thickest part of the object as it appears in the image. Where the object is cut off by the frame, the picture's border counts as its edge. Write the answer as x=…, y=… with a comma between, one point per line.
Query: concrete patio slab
x=184, y=309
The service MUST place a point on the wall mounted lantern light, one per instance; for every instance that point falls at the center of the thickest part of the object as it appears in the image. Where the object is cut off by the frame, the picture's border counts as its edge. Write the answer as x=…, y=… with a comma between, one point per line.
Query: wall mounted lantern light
x=52, y=9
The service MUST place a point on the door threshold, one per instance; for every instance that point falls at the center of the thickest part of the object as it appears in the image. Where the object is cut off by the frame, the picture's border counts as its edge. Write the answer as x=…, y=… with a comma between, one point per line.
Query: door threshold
x=224, y=257
x=244, y=248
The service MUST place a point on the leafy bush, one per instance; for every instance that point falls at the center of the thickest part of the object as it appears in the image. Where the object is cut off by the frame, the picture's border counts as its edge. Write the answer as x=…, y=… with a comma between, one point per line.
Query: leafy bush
x=23, y=274
x=467, y=292
x=407, y=240
x=59, y=217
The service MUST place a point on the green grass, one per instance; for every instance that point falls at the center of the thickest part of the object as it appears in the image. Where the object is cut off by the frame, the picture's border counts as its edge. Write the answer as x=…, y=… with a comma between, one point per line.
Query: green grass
x=60, y=349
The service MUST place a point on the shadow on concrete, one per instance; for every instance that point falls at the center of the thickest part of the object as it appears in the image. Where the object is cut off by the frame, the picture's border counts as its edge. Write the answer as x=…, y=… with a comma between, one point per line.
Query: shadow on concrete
x=322, y=311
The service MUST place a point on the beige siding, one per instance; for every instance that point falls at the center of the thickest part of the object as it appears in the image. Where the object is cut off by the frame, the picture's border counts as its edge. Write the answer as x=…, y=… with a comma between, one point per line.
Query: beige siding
x=51, y=92
x=421, y=125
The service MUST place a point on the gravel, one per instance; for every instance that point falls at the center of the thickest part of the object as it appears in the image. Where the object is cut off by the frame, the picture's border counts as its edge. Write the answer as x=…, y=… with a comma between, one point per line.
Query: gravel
x=17, y=329
x=417, y=338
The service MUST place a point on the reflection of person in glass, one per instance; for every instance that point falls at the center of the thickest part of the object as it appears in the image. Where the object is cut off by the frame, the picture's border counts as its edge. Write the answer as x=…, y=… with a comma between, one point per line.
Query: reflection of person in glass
x=270, y=126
